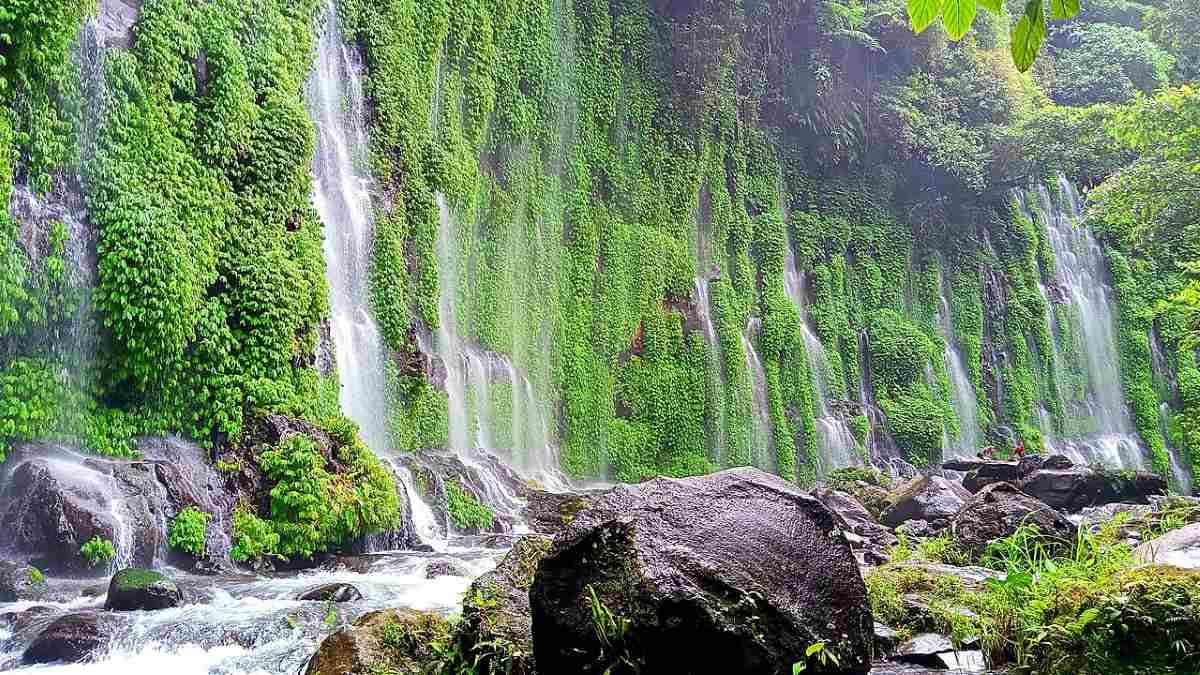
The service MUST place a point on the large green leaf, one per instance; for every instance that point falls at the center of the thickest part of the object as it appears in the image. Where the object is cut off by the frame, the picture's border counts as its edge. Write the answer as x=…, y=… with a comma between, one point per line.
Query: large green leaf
x=1028, y=34
x=993, y=6
x=922, y=13
x=957, y=16
x=1064, y=9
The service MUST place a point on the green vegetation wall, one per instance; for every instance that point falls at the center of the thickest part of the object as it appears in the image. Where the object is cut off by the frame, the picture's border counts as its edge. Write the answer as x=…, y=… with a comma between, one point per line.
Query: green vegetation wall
x=588, y=167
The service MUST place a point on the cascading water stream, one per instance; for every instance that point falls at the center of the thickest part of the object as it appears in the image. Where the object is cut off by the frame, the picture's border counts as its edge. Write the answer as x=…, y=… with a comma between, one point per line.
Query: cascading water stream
x=761, y=441
x=716, y=369
x=963, y=397
x=1081, y=283
x=470, y=376
x=836, y=445
x=343, y=201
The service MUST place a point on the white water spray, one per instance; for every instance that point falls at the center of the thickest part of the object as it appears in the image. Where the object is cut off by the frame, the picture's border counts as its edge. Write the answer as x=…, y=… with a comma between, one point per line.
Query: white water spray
x=342, y=199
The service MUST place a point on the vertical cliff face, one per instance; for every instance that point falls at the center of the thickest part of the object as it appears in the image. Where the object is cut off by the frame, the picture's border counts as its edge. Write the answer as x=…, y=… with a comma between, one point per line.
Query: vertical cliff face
x=613, y=239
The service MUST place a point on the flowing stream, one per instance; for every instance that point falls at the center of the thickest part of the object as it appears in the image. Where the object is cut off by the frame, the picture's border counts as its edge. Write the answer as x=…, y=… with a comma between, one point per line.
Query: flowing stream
x=761, y=441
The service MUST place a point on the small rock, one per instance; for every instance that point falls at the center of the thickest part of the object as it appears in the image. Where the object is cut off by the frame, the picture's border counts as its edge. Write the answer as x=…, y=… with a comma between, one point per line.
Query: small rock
x=924, y=650
x=392, y=640
x=445, y=568
x=916, y=529
x=886, y=639
x=20, y=582
x=134, y=588
x=331, y=593
x=71, y=639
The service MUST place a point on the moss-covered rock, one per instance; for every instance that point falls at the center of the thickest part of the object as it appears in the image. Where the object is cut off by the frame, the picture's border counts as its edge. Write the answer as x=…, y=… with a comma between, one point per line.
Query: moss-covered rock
x=134, y=588
x=395, y=641
x=496, y=625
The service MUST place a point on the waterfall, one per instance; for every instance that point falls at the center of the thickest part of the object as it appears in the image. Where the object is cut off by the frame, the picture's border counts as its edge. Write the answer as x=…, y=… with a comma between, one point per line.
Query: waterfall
x=962, y=391
x=343, y=201
x=1081, y=282
x=716, y=369
x=836, y=445
x=1181, y=470
x=761, y=441
x=471, y=374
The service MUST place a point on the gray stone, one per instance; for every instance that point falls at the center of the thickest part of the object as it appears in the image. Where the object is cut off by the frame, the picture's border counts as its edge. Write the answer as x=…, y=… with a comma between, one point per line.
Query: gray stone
x=929, y=498
x=335, y=592
x=737, y=571
x=1178, y=548
x=998, y=510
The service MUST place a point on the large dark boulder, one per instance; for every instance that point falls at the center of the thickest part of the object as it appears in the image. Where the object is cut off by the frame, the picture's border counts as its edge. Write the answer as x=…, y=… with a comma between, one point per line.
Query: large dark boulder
x=1075, y=488
x=71, y=639
x=734, y=572
x=388, y=641
x=991, y=471
x=133, y=589
x=868, y=538
x=930, y=498
x=998, y=510
x=497, y=626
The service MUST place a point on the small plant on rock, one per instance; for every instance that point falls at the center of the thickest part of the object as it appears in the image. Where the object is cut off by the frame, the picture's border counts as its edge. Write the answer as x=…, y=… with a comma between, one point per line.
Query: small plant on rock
x=188, y=531
x=97, y=551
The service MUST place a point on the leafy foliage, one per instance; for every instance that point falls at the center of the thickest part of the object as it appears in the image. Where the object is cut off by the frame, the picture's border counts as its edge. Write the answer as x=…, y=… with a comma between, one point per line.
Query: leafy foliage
x=97, y=551
x=189, y=531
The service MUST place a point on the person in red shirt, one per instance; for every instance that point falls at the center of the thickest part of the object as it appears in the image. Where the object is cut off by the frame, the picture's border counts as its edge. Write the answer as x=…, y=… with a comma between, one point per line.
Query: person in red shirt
x=1019, y=451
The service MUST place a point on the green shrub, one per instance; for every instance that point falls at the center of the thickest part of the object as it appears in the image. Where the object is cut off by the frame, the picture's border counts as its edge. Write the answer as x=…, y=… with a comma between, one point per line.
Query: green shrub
x=36, y=576
x=467, y=512
x=253, y=538
x=188, y=531
x=97, y=551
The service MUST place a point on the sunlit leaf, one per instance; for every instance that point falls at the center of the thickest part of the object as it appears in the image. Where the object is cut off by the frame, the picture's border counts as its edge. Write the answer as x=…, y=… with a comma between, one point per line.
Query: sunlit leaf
x=957, y=16
x=1028, y=34
x=921, y=13
x=993, y=6
x=1064, y=9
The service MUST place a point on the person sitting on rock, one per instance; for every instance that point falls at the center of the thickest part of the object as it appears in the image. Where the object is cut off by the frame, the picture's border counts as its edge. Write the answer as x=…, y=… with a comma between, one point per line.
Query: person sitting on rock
x=988, y=453
x=1019, y=451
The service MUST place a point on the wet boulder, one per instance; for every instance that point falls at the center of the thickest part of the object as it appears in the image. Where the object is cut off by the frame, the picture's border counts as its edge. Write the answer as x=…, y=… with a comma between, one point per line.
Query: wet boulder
x=930, y=498
x=1177, y=548
x=551, y=512
x=998, y=510
x=496, y=625
x=20, y=582
x=392, y=641
x=336, y=592
x=73, y=638
x=1073, y=488
x=991, y=471
x=924, y=650
x=445, y=568
x=737, y=571
x=868, y=538
x=140, y=589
